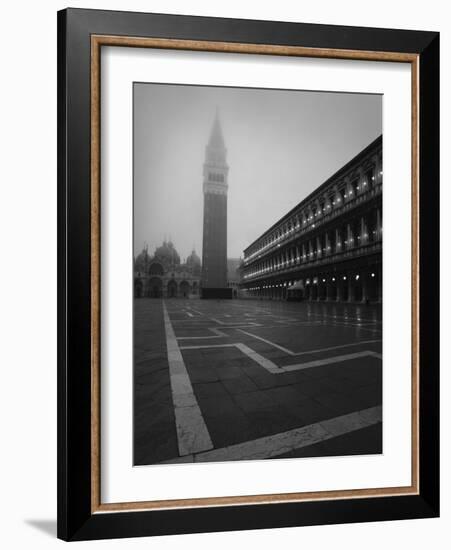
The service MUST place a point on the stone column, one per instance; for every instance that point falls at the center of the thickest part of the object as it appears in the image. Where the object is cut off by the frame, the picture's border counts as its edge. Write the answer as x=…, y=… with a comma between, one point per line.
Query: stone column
x=310, y=249
x=340, y=288
x=360, y=182
x=319, y=289
x=351, y=293
x=329, y=294
x=379, y=284
x=378, y=225
x=363, y=239
x=338, y=243
x=319, y=251
x=378, y=170
x=349, y=236
x=328, y=251
x=365, y=287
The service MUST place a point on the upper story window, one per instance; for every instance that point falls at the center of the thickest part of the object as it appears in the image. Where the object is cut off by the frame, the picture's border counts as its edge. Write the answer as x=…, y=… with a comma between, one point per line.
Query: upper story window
x=352, y=191
x=370, y=178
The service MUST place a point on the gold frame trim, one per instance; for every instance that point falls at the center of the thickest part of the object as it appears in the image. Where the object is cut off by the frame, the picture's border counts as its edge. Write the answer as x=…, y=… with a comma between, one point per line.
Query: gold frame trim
x=97, y=41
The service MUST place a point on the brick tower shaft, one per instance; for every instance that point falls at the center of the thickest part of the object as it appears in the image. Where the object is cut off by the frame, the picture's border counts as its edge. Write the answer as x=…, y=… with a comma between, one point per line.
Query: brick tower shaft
x=215, y=187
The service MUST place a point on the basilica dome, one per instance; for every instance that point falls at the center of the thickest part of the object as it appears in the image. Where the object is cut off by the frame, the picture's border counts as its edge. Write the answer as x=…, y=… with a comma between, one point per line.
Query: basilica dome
x=142, y=261
x=193, y=262
x=167, y=254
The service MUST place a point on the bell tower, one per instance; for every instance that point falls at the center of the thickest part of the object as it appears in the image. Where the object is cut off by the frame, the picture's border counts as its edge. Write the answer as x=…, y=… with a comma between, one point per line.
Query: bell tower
x=215, y=187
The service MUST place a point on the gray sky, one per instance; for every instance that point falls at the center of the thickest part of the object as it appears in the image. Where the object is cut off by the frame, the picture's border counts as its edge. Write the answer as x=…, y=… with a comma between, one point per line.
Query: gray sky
x=280, y=146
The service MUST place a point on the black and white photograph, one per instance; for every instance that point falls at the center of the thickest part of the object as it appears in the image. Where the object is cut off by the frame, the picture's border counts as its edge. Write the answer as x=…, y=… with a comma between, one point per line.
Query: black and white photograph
x=226, y=292
x=257, y=273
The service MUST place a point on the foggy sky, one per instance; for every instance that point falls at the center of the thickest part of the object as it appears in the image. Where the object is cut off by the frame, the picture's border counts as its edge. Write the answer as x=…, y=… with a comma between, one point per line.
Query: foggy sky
x=280, y=146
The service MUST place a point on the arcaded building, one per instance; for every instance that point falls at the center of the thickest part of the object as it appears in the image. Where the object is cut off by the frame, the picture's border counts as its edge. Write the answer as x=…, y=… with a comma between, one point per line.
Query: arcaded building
x=163, y=275
x=329, y=246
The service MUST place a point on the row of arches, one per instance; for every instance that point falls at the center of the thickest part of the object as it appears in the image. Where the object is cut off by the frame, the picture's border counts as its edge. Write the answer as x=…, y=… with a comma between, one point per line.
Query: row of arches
x=358, y=232
x=363, y=286
x=213, y=176
x=156, y=288
x=359, y=182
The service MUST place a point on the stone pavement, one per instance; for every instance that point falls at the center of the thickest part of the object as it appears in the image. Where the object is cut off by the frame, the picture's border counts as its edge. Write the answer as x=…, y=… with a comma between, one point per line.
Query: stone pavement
x=241, y=379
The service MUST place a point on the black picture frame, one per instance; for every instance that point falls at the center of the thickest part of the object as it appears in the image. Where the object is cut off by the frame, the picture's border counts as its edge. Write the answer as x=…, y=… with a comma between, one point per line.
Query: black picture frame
x=76, y=520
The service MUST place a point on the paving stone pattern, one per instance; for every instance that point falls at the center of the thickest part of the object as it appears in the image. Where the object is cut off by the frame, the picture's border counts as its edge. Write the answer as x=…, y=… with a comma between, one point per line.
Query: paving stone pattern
x=239, y=399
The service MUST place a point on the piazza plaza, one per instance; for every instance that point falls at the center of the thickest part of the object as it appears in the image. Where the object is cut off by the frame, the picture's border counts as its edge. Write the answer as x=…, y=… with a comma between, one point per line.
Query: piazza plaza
x=277, y=354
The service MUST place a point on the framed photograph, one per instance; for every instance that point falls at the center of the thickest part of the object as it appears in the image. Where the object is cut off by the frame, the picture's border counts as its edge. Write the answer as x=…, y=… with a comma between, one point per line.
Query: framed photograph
x=248, y=274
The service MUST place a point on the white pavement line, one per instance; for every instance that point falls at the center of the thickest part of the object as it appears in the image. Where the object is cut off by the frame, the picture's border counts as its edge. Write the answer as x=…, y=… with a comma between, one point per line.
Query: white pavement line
x=345, y=317
x=296, y=353
x=217, y=321
x=274, y=369
x=290, y=325
x=208, y=346
x=199, y=337
x=267, y=341
x=285, y=442
x=271, y=367
x=329, y=361
x=179, y=460
x=190, y=314
x=196, y=310
x=233, y=324
x=192, y=432
x=216, y=331
x=262, y=361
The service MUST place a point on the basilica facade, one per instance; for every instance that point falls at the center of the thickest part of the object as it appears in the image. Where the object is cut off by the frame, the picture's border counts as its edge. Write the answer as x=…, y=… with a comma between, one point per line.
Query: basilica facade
x=163, y=275
x=329, y=246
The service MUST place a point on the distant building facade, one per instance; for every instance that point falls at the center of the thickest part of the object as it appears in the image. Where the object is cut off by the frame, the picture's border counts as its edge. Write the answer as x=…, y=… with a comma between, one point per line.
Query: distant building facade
x=234, y=276
x=162, y=275
x=215, y=188
x=329, y=246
